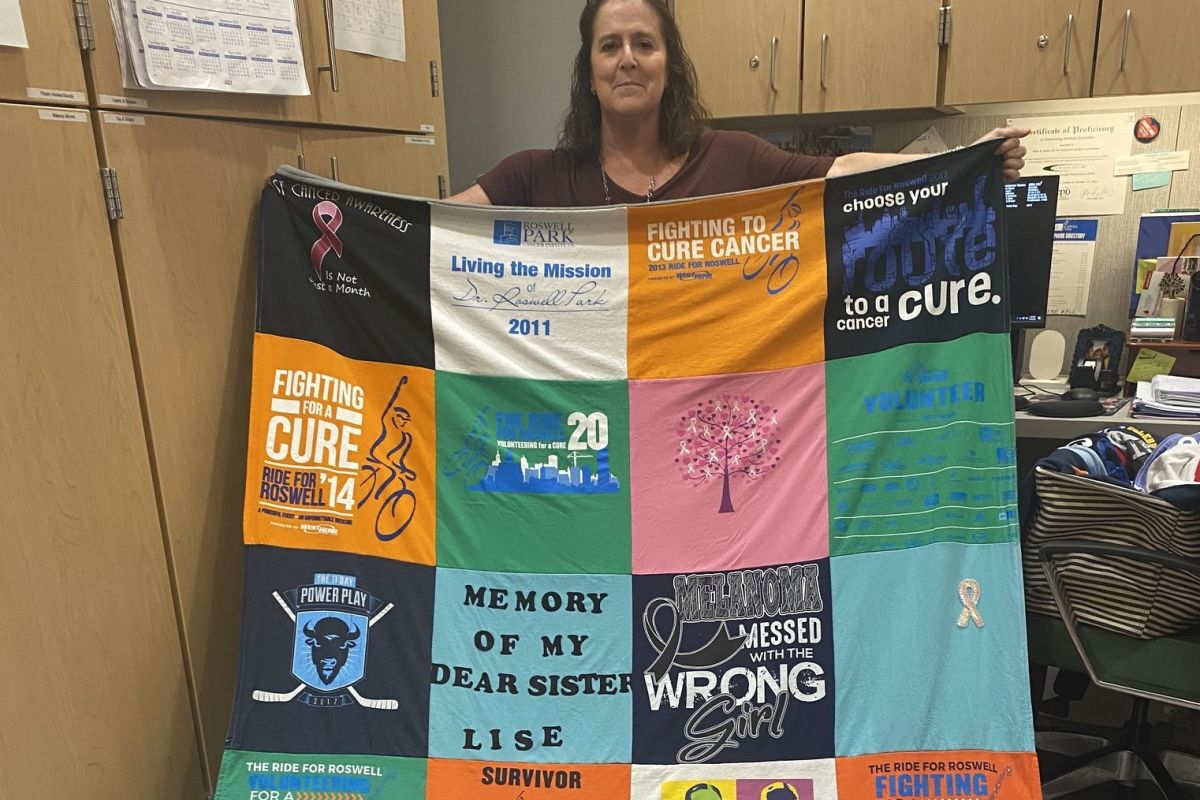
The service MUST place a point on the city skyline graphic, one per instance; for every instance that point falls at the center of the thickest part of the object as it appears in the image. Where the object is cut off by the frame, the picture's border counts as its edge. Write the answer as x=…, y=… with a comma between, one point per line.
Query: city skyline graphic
x=506, y=473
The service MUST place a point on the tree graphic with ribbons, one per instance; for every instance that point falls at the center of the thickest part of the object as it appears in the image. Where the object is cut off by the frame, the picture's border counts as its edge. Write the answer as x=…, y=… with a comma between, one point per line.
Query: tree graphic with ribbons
x=727, y=436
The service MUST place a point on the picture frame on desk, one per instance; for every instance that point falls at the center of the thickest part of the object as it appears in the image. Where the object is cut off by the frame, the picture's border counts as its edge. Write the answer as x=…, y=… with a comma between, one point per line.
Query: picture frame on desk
x=1102, y=347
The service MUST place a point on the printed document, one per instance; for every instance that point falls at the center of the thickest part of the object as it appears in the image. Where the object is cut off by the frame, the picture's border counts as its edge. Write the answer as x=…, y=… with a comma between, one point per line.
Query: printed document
x=1082, y=149
x=374, y=27
x=12, y=27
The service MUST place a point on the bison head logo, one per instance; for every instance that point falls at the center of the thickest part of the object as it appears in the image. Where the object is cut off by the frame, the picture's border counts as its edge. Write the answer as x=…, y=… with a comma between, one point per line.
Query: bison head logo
x=331, y=640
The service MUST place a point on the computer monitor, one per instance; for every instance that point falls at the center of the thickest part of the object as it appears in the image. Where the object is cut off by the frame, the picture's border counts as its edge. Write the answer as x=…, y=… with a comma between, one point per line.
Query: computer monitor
x=1031, y=204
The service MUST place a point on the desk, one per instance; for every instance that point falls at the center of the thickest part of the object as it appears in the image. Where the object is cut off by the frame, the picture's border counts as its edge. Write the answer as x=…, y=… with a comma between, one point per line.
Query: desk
x=1064, y=428
x=1037, y=437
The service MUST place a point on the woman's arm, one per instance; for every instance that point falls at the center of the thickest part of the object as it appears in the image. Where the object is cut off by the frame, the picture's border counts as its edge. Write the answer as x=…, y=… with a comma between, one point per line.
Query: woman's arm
x=472, y=195
x=864, y=162
x=1011, y=149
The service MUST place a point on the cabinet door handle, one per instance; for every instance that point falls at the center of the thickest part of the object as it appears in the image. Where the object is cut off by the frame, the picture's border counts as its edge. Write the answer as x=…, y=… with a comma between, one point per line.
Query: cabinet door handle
x=824, y=58
x=774, y=62
x=1125, y=38
x=333, y=169
x=300, y=161
x=331, y=67
x=1067, y=44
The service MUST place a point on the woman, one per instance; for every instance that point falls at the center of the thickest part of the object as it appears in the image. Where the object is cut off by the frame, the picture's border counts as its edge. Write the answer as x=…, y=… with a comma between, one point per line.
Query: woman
x=634, y=131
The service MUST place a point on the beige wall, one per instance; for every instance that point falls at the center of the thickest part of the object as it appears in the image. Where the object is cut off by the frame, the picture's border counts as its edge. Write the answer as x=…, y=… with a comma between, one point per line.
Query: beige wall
x=507, y=73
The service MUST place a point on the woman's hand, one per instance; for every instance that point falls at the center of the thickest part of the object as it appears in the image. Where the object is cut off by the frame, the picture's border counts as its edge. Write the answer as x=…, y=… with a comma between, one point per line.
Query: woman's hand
x=1011, y=149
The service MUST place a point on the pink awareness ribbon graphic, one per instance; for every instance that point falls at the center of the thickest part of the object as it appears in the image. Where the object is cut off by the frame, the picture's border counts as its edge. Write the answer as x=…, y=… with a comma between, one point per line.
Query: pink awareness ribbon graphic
x=328, y=218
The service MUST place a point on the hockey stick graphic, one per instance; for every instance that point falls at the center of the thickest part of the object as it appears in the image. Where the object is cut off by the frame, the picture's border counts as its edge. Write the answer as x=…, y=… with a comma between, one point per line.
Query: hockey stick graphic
x=379, y=616
x=369, y=702
x=276, y=697
x=284, y=606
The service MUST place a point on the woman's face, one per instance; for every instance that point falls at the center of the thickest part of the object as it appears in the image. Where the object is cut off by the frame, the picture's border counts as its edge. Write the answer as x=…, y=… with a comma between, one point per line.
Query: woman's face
x=629, y=59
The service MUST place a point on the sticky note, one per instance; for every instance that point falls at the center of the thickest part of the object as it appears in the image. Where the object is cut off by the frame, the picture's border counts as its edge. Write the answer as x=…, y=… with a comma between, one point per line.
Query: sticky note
x=1148, y=364
x=1151, y=180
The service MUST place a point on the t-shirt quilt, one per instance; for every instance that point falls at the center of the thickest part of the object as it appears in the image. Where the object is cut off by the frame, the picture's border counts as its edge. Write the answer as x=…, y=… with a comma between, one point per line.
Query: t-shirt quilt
x=703, y=500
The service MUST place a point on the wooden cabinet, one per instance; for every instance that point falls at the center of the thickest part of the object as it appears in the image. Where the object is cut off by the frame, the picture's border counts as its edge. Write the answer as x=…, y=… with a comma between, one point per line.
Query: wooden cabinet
x=49, y=70
x=864, y=54
x=747, y=54
x=127, y=382
x=386, y=162
x=1147, y=46
x=189, y=245
x=97, y=703
x=1000, y=52
x=379, y=92
x=371, y=93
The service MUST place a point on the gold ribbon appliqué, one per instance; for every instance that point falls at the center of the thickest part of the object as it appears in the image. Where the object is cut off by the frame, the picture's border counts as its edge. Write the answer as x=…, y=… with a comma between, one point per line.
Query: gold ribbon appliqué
x=968, y=593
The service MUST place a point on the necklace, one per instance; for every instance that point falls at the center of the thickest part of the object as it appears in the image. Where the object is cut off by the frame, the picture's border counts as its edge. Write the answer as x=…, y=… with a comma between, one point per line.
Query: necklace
x=608, y=198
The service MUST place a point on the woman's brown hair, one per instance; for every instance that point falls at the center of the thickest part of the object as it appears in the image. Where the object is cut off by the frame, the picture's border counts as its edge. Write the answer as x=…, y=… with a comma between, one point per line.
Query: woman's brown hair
x=681, y=115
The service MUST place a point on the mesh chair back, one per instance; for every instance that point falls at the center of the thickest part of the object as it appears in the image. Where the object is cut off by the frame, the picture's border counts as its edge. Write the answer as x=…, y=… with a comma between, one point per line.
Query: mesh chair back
x=1118, y=594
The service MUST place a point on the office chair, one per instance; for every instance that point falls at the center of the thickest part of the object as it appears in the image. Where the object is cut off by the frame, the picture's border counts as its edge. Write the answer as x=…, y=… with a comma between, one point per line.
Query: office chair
x=1165, y=669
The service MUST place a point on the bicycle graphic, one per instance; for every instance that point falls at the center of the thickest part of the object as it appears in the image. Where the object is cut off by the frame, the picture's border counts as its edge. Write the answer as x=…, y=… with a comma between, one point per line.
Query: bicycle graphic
x=385, y=469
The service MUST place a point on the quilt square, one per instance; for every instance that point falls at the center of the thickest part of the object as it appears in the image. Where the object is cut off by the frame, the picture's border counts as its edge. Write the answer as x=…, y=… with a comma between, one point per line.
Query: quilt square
x=348, y=270
x=944, y=614
x=728, y=470
x=263, y=776
x=534, y=474
x=921, y=447
x=915, y=254
x=733, y=666
x=534, y=294
x=341, y=454
x=531, y=667
x=967, y=774
x=768, y=780
x=727, y=284
x=335, y=655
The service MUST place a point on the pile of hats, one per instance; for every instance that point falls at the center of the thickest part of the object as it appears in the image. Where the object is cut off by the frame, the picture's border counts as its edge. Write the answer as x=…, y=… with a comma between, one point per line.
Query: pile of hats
x=1132, y=458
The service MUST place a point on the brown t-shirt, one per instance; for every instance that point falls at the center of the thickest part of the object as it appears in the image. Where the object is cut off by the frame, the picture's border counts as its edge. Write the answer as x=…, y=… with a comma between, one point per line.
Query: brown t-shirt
x=721, y=161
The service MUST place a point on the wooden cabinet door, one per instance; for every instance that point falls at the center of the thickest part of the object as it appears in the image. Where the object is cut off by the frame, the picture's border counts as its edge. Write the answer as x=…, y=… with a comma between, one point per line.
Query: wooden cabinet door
x=50, y=70
x=379, y=92
x=1147, y=46
x=189, y=245
x=388, y=162
x=747, y=54
x=96, y=702
x=105, y=69
x=1046, y=46
x=864, y=54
